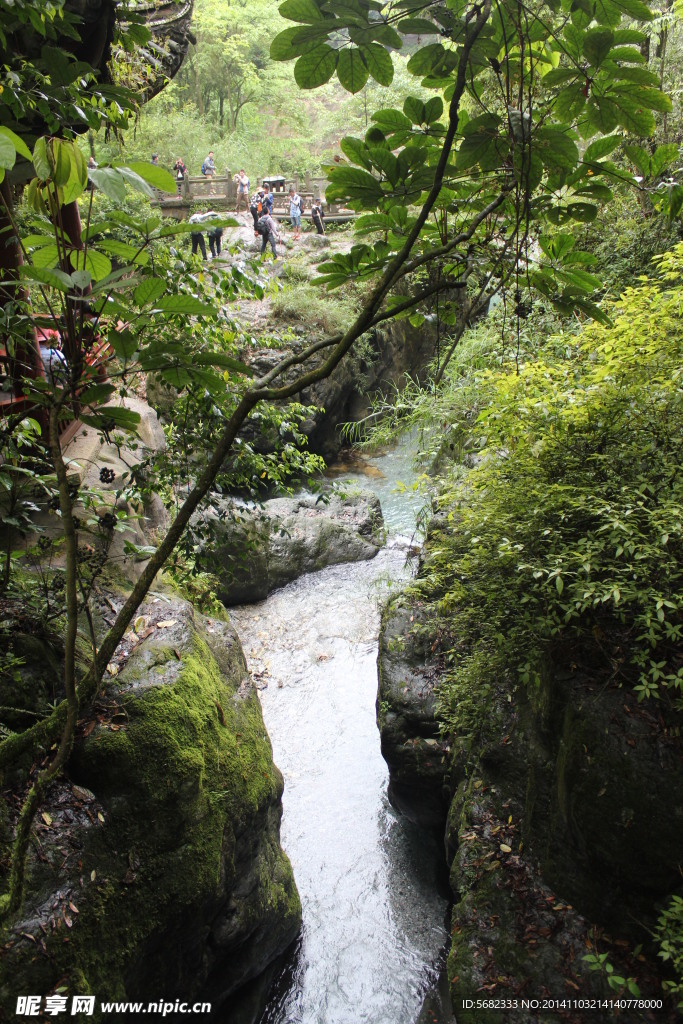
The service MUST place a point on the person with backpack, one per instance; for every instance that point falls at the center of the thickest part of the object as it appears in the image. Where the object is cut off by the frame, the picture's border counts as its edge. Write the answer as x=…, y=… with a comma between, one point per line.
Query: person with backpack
x=209, y=169
x=268, y=230
x=296, y=208
x=256, y=208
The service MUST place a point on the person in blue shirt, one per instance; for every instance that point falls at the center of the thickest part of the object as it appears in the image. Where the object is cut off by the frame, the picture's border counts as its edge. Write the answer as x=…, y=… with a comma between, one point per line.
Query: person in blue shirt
x=295, y=205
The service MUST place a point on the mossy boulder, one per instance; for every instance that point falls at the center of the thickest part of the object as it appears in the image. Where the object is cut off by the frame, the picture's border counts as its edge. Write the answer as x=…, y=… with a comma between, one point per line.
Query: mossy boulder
x=253, y=551
x=157, y=867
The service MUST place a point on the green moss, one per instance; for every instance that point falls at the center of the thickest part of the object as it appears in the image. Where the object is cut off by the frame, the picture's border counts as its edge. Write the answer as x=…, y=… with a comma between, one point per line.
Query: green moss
x=189, y=772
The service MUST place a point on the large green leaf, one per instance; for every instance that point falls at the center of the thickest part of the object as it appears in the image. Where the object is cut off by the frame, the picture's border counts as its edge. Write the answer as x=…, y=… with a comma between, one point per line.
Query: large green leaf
x=570, y=102
x=8, y=153
x=636, y=9
x=109, y=181
x=391, y=121
x=184, y=304
x=663, y=157
x=157, y=177
x=315, y=67
x=41, y=159
x=124, y=251
x=557, y=149
x=55, y=278
x=601, y=147
x=597, y=44
x=414, y=108
x=356, y=151
x=385, y=161
x=353, y=183
x=301, y=10
x=46, y=256
x=149, y=290
x=417, y=27
x=351, y=69
x=427, y=59
x=433, y=109
x=602, y=114
x=288, y=44
x=19, y=144
x=640, y=159
x=378, y=62
x=96, y=263
x=124, y=343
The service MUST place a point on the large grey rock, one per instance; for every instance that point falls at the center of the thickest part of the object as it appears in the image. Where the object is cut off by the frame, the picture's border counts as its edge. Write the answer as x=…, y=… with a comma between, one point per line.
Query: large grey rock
x=253, y=551
x=565, y=816
x=165, y=838
x=416, y=753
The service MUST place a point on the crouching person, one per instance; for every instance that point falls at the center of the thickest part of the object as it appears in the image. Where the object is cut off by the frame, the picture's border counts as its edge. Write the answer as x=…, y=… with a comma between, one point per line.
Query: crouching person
x=268, y=230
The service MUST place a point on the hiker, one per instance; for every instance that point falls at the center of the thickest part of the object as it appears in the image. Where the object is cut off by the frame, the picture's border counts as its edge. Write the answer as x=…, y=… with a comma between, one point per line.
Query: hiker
x=268, y=230
x=155, y=159
x=242, y=190
x=267, y=201
x=296, y=207
x=198, y=236
x=209, y=171
x=256, y=207
x=180, y=170
x=92, y=163
x=317, y=216
x=209, y=167
x=215, y=235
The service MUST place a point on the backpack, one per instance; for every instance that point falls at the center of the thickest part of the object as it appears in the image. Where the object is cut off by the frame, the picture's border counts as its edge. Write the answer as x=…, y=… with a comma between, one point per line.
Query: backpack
x=262, y=226
x=204, y=167
x=301, y=206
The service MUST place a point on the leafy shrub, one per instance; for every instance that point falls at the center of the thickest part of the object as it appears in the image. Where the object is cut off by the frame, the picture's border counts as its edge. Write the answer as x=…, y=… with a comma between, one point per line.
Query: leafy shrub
x=569, y=527
x=669, y=934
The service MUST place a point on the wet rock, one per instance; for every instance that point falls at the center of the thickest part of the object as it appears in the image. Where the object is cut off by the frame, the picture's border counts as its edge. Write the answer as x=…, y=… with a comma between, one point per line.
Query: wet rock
x=565, y=816
x=253, y=551
x=416, y=753
x=157, y=868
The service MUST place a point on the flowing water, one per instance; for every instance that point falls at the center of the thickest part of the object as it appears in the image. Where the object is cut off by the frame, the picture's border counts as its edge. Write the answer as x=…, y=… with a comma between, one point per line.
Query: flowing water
x=373, y=906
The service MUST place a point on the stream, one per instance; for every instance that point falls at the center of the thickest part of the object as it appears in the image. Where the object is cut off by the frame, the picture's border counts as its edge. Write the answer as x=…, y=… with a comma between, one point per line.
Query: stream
x=370, y=882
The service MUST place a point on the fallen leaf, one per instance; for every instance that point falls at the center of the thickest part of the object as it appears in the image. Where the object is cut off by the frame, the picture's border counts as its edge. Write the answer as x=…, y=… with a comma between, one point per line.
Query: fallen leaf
x=112, y=669
x=73, y=908
x=80, y=792
x=46, y=818
x=100, y=817
x=166, y=623
x=140, y=624
x=504, y=848
x=93, y=876
x=67, y=920
x=89, y=728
